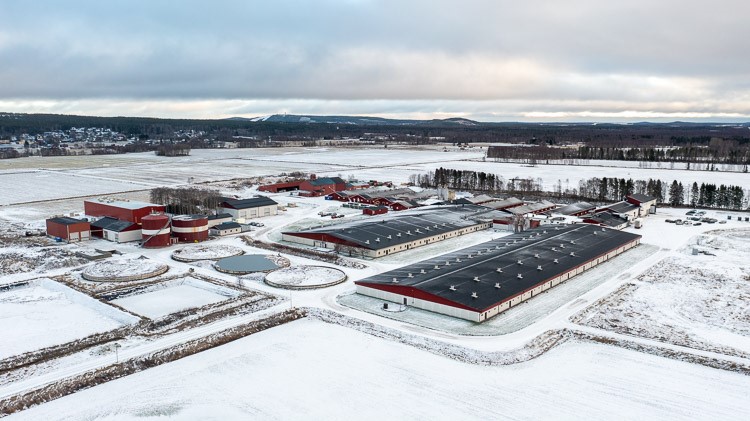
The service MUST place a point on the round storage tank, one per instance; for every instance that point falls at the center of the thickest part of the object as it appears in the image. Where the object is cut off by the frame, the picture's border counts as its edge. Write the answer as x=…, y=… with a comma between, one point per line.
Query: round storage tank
x=190, y=228
x=155, y=229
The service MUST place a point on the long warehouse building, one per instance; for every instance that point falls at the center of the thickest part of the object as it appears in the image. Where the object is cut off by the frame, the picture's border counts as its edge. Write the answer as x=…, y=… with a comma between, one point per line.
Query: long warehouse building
x=393, y=234
x=482, y=281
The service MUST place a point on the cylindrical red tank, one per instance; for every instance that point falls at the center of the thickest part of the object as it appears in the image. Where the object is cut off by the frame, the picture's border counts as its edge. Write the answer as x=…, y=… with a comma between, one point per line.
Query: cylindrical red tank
x=190, y=228
x=155, y=229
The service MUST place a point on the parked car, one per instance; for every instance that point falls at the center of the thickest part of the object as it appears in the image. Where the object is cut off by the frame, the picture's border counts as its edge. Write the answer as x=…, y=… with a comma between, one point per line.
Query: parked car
x=697, y=223
x=691, y=212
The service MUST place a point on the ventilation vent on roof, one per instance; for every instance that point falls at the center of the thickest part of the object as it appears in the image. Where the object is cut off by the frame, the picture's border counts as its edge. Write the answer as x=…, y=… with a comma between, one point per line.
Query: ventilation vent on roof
x=520, y=262
x=398, y=234
x=557, y=228
x=389, y=237
x=408, y=232
x=395, y=280
x=417, y=231
x=437, y=267
x=458, y=259
x=554, y=249
x=452, y=288
x=555, y=261
x=572, y=242
x=507, y=244
x=544, y=232
x=497, y=285
x=409, y=275
x=367, y=241
x=536, y=256
x=422, y=271
x=476, y=279
x=562, y=246
x=377, y=240
x=447, y=263
x=497, y=246
x=538, y=234
x=469, y=256
x=489, y=250
x=572, y=254
x=595, y=233
x=479, y=252
x=539, y=267
x=604, y=229
x=520, y=276
x=499, y=270
x=474, y=295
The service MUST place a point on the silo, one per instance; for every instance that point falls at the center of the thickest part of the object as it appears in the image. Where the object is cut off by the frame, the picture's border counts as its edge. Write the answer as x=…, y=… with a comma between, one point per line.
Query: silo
x=190, y=228
x=155, y=229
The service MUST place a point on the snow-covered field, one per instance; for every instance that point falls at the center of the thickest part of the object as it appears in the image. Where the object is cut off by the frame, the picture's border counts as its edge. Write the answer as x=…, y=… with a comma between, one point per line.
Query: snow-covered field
x=172, y=297
x=45, y=313
x=312, y=370
x=30, y=186
x=700, y=301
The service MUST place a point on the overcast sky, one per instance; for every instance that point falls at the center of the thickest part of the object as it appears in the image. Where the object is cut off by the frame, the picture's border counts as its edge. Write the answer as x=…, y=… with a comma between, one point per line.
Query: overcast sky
x=494, y=60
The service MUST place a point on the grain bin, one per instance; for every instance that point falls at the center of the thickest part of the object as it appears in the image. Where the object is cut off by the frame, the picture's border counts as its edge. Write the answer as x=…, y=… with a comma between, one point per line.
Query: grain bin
x=155, y=229
x=190, y=228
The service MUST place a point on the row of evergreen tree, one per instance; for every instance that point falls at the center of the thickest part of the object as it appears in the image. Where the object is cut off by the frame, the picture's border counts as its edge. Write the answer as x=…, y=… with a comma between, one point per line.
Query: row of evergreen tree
x=605, y=189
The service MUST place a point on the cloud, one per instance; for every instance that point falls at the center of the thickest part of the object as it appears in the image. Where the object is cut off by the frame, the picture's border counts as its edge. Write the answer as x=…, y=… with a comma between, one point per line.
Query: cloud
x=478, y=54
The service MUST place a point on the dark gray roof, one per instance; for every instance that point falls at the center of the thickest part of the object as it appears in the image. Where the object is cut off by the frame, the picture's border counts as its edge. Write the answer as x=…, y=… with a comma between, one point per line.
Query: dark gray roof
x=621, y=207
x=112, y=224
x=254, y=202
x=227, y=226
x=575, y=208
x=64, y=220
x=327, y=181
x=608, y=219
x=643, y=198
x=403, y=227
x=537, y=247
x=219, y=216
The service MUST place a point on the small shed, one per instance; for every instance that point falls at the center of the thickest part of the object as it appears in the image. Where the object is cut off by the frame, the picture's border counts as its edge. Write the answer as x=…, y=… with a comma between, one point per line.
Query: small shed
x=116, y=230
x=69, y=229
x=226, y=228
x=375, y=210
x=220, y=218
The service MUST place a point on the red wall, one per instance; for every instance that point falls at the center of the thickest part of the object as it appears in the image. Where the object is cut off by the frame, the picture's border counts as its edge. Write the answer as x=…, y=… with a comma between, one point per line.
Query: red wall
x=132, y=215
x=61, y=230
x=415, y=293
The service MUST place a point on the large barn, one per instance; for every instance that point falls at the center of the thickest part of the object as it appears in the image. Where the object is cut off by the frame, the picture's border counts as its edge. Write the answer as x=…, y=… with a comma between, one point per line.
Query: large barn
x=253, y=207
x=124, y=210
x=482, y=281
x=392, y=234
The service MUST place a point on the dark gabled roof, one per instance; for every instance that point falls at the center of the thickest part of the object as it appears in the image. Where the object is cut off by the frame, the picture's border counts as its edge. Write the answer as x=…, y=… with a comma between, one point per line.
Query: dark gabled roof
x=219, y=216
x=227, y=226
x=112, y=224
x=505, y=203
x=608, y=219
x=403, y=227
x=531, y=207
x=327, y=181
x=64, y=220
x=643, y=198
x=253, y=202
x=621, y=207
x=537, y=247
x=575, y=208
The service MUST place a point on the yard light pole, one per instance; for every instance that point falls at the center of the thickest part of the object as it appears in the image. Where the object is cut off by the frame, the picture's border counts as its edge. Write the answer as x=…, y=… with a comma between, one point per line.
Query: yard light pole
x=117, y=354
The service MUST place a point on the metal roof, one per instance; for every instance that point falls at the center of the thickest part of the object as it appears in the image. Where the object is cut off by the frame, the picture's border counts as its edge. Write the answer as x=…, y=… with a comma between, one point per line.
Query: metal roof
x=125, y=204
x=227, y=226
x=220, y=216
x=500, y=269
x=505, y=203
x=64, y=220
x=112, y=224
x=531, y=207
x=608, y=219
x=401, y=228
x=643, y=198
x=622, y=207
x=575, y=208
x=253, y=202
x=326, y=181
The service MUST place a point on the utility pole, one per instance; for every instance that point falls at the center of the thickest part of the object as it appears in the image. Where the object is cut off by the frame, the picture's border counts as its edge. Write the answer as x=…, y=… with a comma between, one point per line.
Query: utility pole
x=117, y=354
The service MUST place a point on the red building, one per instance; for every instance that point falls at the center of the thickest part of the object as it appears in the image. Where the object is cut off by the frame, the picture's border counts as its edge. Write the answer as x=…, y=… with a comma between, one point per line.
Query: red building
x=69, y=229
x=121, y=209
x=375, y=210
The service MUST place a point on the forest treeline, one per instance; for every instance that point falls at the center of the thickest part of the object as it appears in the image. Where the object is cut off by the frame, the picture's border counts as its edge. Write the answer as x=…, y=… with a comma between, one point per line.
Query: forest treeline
x=187, y=200
x=592, y=189
x=716, y=151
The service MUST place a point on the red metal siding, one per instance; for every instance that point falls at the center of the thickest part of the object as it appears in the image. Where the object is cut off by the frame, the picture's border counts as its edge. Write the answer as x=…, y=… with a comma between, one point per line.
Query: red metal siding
x=62, y=230
x=414, y=293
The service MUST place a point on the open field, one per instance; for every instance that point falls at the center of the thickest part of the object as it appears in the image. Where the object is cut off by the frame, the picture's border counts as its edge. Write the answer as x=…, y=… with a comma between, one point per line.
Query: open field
x=164, y=299
x=45, y=313
x=294, y=372
x=699, y=301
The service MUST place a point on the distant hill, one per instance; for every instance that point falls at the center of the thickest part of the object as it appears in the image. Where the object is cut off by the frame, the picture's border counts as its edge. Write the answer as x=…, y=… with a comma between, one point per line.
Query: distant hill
x=356, y=120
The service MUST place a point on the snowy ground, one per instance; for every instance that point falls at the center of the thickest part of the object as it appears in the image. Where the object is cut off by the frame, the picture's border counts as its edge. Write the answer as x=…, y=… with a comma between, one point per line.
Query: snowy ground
x=161, y=300
x=206, y=251
x=700, y=301
x=295, y=372
x=46, y=313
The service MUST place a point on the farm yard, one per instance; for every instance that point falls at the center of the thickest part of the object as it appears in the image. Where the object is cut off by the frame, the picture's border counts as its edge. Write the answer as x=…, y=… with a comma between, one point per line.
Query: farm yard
x=656, y=301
